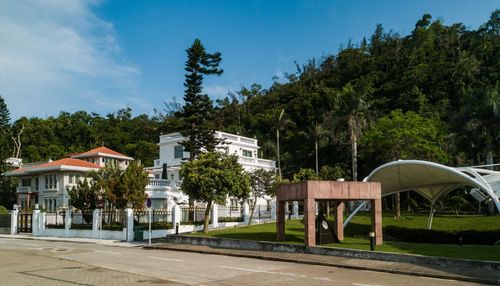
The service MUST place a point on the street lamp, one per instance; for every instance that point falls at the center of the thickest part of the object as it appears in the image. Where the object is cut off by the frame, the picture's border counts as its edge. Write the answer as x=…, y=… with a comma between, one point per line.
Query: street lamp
x=278, y=142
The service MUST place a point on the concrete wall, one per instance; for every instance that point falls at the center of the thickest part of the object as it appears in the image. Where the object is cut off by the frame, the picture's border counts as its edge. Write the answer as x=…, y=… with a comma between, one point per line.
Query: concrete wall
x=281, y=247
x=82, y=233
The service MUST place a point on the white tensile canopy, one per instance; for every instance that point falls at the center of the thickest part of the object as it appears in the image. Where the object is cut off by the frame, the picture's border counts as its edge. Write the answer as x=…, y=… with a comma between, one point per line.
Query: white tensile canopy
x=434, y=180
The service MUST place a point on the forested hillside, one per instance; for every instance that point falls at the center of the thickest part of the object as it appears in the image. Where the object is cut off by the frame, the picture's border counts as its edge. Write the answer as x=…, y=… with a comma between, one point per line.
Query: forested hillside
x=433, y=94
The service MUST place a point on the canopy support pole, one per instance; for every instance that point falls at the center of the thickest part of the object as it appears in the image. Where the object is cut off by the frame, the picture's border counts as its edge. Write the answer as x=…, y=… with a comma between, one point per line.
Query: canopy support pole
x=431, y=216
x=356, y=210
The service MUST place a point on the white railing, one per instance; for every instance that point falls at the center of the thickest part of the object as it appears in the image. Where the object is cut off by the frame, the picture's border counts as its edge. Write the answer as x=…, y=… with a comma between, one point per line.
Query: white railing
x=246, y=160
x=158, y=183
x=169, y=138
x=23, y=189
x=265, y=162
x=236, y=138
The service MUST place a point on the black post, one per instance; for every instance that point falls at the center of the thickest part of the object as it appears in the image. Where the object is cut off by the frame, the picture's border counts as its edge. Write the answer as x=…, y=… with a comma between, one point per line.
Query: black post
x=372, y=241
x=177, y=228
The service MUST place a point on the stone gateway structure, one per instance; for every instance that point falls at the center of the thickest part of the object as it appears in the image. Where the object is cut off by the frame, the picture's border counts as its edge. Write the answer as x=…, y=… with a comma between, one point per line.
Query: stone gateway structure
x=311, y=191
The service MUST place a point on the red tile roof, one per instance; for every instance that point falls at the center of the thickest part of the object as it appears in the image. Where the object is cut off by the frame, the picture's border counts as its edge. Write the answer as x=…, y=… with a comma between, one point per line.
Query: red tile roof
x=68, y=162
x=96, y=151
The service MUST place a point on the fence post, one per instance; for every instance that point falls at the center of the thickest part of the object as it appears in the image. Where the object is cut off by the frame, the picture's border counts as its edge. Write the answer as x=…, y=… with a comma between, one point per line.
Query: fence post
x=273, y=210
x=13, y=220
x=43, y=220
x=35, y=223
x=95, y=223
x=176, y=215
x=130, y=224
x=246, y=213
x=295, y=209
x=67, y=222
x=215, y=216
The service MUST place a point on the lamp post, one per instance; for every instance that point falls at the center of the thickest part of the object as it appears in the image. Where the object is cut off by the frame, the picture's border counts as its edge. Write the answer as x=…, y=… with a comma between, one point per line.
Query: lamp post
x=278, y=142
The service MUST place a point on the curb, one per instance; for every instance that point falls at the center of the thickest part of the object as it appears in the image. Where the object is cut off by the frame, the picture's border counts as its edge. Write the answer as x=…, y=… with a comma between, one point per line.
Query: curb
x=71, y=241
x=392, y=271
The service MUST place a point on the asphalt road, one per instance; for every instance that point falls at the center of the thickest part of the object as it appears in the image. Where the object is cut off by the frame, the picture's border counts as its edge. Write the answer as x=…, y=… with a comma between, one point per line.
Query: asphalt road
x=34, y=262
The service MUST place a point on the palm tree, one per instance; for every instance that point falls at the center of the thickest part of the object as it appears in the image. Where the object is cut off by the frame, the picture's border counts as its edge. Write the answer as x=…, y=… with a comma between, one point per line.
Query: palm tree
x=319, y=133
x=354, y=108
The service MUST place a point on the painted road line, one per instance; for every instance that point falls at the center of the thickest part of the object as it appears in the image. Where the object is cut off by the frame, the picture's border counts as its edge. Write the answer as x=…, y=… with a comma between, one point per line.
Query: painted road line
x=359, y=284
x=167, y=259
x=107, y=252
x=266, y=272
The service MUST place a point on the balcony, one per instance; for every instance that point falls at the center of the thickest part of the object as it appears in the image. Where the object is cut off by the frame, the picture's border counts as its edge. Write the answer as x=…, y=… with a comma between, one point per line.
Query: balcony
x=24, y=189
x=161, y=184
x=256, y=162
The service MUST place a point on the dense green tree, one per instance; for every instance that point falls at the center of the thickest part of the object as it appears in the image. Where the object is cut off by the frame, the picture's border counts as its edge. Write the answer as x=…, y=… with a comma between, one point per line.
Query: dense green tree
x=212, y=178
x=262, y=183
x=305, y=175
x=131, y=187
x=84, y=196
x=404, y=136
x=197, y=113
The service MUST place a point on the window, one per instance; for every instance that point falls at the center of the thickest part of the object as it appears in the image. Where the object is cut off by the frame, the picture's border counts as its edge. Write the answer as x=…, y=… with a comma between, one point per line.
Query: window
x=37, y=181
x=26, y=182
x=50, y=182
x=233, y=204
x=247, y=153
x=178, y=152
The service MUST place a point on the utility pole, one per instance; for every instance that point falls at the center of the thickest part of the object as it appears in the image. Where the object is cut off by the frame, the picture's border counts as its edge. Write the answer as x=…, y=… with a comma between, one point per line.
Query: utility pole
x=278, y=142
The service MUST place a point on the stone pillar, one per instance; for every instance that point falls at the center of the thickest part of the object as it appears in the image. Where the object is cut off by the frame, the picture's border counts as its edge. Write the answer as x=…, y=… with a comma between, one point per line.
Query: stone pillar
x=273, y=210
x=295, y=209
x=176, y=215
x=43, y=219
x=377, y=220
x=96, y=221
x=215, y=216
x=280, y=221
x=310, y=210
x=316, y=208
x=13, y=221
x=246, y=213
x=339, y=220
x=130, y=224
x=35, y=223
x=67, y=222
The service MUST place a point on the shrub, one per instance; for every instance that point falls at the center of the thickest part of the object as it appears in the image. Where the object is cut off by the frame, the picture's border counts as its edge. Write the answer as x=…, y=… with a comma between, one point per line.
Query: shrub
x=487, y=237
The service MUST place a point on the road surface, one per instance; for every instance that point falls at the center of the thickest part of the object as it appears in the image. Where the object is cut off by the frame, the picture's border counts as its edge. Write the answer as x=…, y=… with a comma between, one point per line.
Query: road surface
x=35, y=262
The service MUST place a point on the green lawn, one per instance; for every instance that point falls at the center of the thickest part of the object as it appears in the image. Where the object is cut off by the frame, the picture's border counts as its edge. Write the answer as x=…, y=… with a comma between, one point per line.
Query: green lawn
x=355, y=235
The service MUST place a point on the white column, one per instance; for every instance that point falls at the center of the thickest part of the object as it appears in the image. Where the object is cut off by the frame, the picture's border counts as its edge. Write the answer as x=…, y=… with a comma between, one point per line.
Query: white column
x=295, y=209
x=35, y=223
x=215, y=216
x=176, y=216
x=246, y=213
x=273, y=210
x=95, y=223
x=130, y=224
x=67, y=222
x=13, y=221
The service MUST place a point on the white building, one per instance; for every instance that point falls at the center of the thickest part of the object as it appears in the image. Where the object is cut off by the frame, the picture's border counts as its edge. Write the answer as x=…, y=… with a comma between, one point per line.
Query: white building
x=46, y=183
x=173, y=155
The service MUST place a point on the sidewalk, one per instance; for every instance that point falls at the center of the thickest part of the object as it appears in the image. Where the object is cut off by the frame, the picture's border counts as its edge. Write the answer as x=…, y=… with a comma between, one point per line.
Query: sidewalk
x=433, y=271
x=76, y=240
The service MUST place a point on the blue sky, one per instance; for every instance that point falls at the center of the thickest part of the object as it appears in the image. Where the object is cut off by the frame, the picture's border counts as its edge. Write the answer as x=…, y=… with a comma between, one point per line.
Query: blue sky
x=100, y=56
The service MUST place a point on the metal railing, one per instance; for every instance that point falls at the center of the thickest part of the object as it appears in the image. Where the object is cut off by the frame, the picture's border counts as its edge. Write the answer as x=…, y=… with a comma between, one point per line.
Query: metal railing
x=55, y=219
x=81, y=220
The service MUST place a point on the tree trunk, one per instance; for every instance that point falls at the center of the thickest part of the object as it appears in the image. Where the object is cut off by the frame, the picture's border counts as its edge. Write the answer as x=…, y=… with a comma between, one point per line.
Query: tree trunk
x=354, y=155
x=207, y=217
x=398, y=206
x=316, y=148
x=408, y=201
x=253, y=210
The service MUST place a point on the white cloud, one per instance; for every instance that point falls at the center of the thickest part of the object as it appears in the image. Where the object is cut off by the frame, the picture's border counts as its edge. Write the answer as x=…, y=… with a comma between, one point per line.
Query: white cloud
x=217, y=91
x=58, y=55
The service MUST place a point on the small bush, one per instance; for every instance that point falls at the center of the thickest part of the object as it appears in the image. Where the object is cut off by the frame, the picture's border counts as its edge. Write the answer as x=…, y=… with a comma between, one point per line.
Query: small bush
x=3, y=210
x=230, y=219
x=486, y=237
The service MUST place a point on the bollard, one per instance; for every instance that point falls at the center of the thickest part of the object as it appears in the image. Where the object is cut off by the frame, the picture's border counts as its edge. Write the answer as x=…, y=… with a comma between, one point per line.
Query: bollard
x=460, y=241
x=177, y=228
x=372, y=240
x=289, y=216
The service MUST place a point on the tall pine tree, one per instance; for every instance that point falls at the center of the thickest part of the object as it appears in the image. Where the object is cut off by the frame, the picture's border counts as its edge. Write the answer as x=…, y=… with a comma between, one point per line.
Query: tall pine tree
x=7, y=187
x=197, y=113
